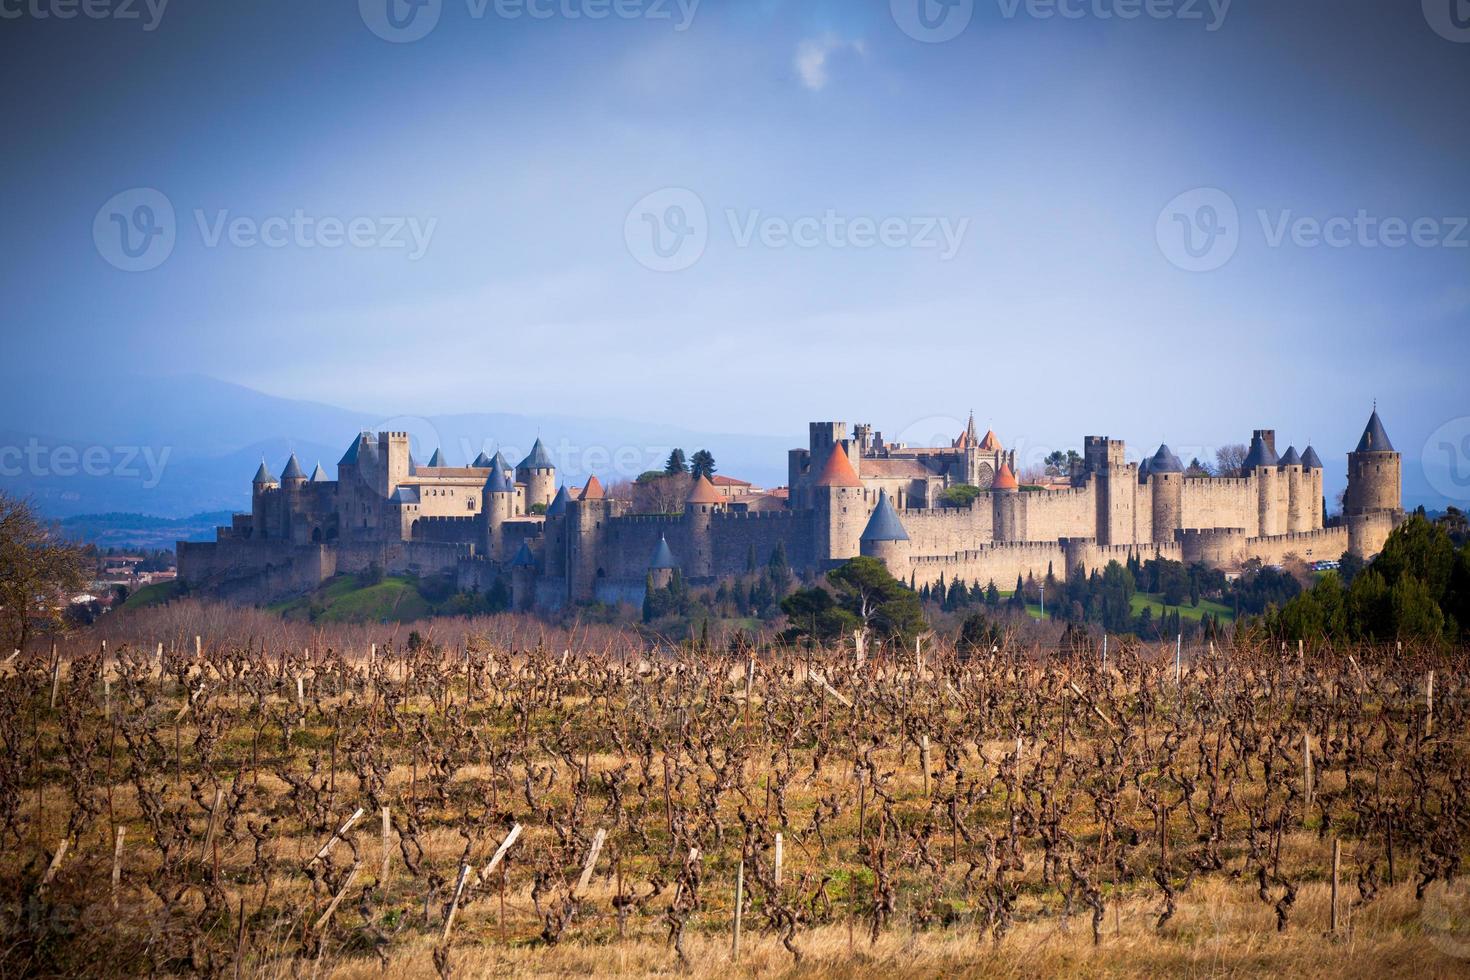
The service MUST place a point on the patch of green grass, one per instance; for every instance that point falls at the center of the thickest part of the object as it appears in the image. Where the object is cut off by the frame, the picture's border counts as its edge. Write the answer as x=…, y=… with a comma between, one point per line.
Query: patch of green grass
x=391, y=599
x=394, y=598
x=1155, y=604
x=155, y=595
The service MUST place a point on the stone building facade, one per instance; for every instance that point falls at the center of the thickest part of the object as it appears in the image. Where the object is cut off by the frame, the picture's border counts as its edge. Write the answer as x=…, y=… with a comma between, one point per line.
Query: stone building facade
x=846, y=496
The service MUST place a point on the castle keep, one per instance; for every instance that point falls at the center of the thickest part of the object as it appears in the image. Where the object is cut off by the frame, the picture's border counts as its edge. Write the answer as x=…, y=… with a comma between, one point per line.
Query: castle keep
x=847, y=495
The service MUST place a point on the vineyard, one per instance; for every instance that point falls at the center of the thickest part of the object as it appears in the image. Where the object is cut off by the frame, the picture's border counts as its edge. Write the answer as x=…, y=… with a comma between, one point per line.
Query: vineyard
x=216, y=807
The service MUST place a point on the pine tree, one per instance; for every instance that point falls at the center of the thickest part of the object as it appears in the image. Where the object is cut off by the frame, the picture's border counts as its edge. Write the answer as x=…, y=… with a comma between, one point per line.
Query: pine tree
x=702, y=464
x=675, y=464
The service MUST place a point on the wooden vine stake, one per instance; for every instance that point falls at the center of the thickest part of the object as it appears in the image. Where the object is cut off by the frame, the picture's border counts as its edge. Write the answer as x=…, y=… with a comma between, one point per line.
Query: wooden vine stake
x=117, y=850
x=510, y=839
x=54, y=866
x=780, y=853
x=1336, y=867
x=387, y=853
x=924, y=760
x=326, y=916
x=1306, y=777
x=332, y=841
x=1429, y=704
x=597, y=840
x=464, y=872
x=739, y=908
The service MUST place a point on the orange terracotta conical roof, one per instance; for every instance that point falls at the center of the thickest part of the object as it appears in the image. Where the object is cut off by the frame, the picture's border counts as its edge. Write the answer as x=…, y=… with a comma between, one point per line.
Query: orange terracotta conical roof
x=593, y=489
x=1005, y=479
x=990, y=443
x=838, y=471
x=704, y=492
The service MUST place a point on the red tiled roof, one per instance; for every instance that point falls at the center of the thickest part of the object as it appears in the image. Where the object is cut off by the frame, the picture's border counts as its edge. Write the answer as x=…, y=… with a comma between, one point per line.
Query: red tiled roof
x=728, y=481
x=990, y=443
x=838, y=471
x=1005, y=479
x=593, y=490
x=704, y=492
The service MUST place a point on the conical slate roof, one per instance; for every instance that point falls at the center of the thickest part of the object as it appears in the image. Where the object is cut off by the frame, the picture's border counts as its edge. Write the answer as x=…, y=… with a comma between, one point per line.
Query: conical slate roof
x=293, y=470
x=1290, y=457
x=884, y=525
x=262, y=475
x=500, y=462
x=662, y=556
x=1005, y=479
x=499, y=482
x=1375, y=439
x=1143, y=468
x=837, y=471
x=437, y=460
x=537, y=459
x=1164, y=461
x=482, y=462
x=1310, y=460
x=523, y=558
x=1260, y=455
x=349, y=458
x=558, y=503
x=704, y=492
x=319, y=475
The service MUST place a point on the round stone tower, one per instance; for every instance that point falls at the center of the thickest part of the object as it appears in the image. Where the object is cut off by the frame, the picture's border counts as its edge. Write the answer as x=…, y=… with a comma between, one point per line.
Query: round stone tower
x=538, y=473
x=1261, y=465
x=499, y=507
x=839, y=508
x=661, y=566
x=523, y=578
x=699, y=513
x=1374, y=477
x=1166, y=486
x=885, y=538
x=264, y=482
x=1373, y=505
x=1005, y=500
x=1297, y=511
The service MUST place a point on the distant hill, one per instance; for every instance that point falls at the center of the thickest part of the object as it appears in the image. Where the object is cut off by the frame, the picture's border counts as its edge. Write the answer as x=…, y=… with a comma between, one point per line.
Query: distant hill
x=189, y=445
x=141, y=531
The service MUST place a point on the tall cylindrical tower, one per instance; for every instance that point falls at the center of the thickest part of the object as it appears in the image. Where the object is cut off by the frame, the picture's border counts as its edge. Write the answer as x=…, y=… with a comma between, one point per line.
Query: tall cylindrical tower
x=1166, y=486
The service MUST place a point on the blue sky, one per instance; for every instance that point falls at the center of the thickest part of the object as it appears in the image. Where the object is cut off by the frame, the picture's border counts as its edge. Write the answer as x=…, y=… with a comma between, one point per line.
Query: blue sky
x=1059, y=153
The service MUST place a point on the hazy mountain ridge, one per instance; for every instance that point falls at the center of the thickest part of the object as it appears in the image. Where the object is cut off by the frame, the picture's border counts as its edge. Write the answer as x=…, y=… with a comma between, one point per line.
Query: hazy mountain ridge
x=183, y=446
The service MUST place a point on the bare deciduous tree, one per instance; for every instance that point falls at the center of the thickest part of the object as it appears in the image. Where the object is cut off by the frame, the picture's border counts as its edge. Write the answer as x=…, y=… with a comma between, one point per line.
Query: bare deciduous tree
x=37, y=570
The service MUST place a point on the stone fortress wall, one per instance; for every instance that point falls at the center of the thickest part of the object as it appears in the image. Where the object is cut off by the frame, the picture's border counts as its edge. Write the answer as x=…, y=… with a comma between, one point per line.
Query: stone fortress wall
x=846, y=496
